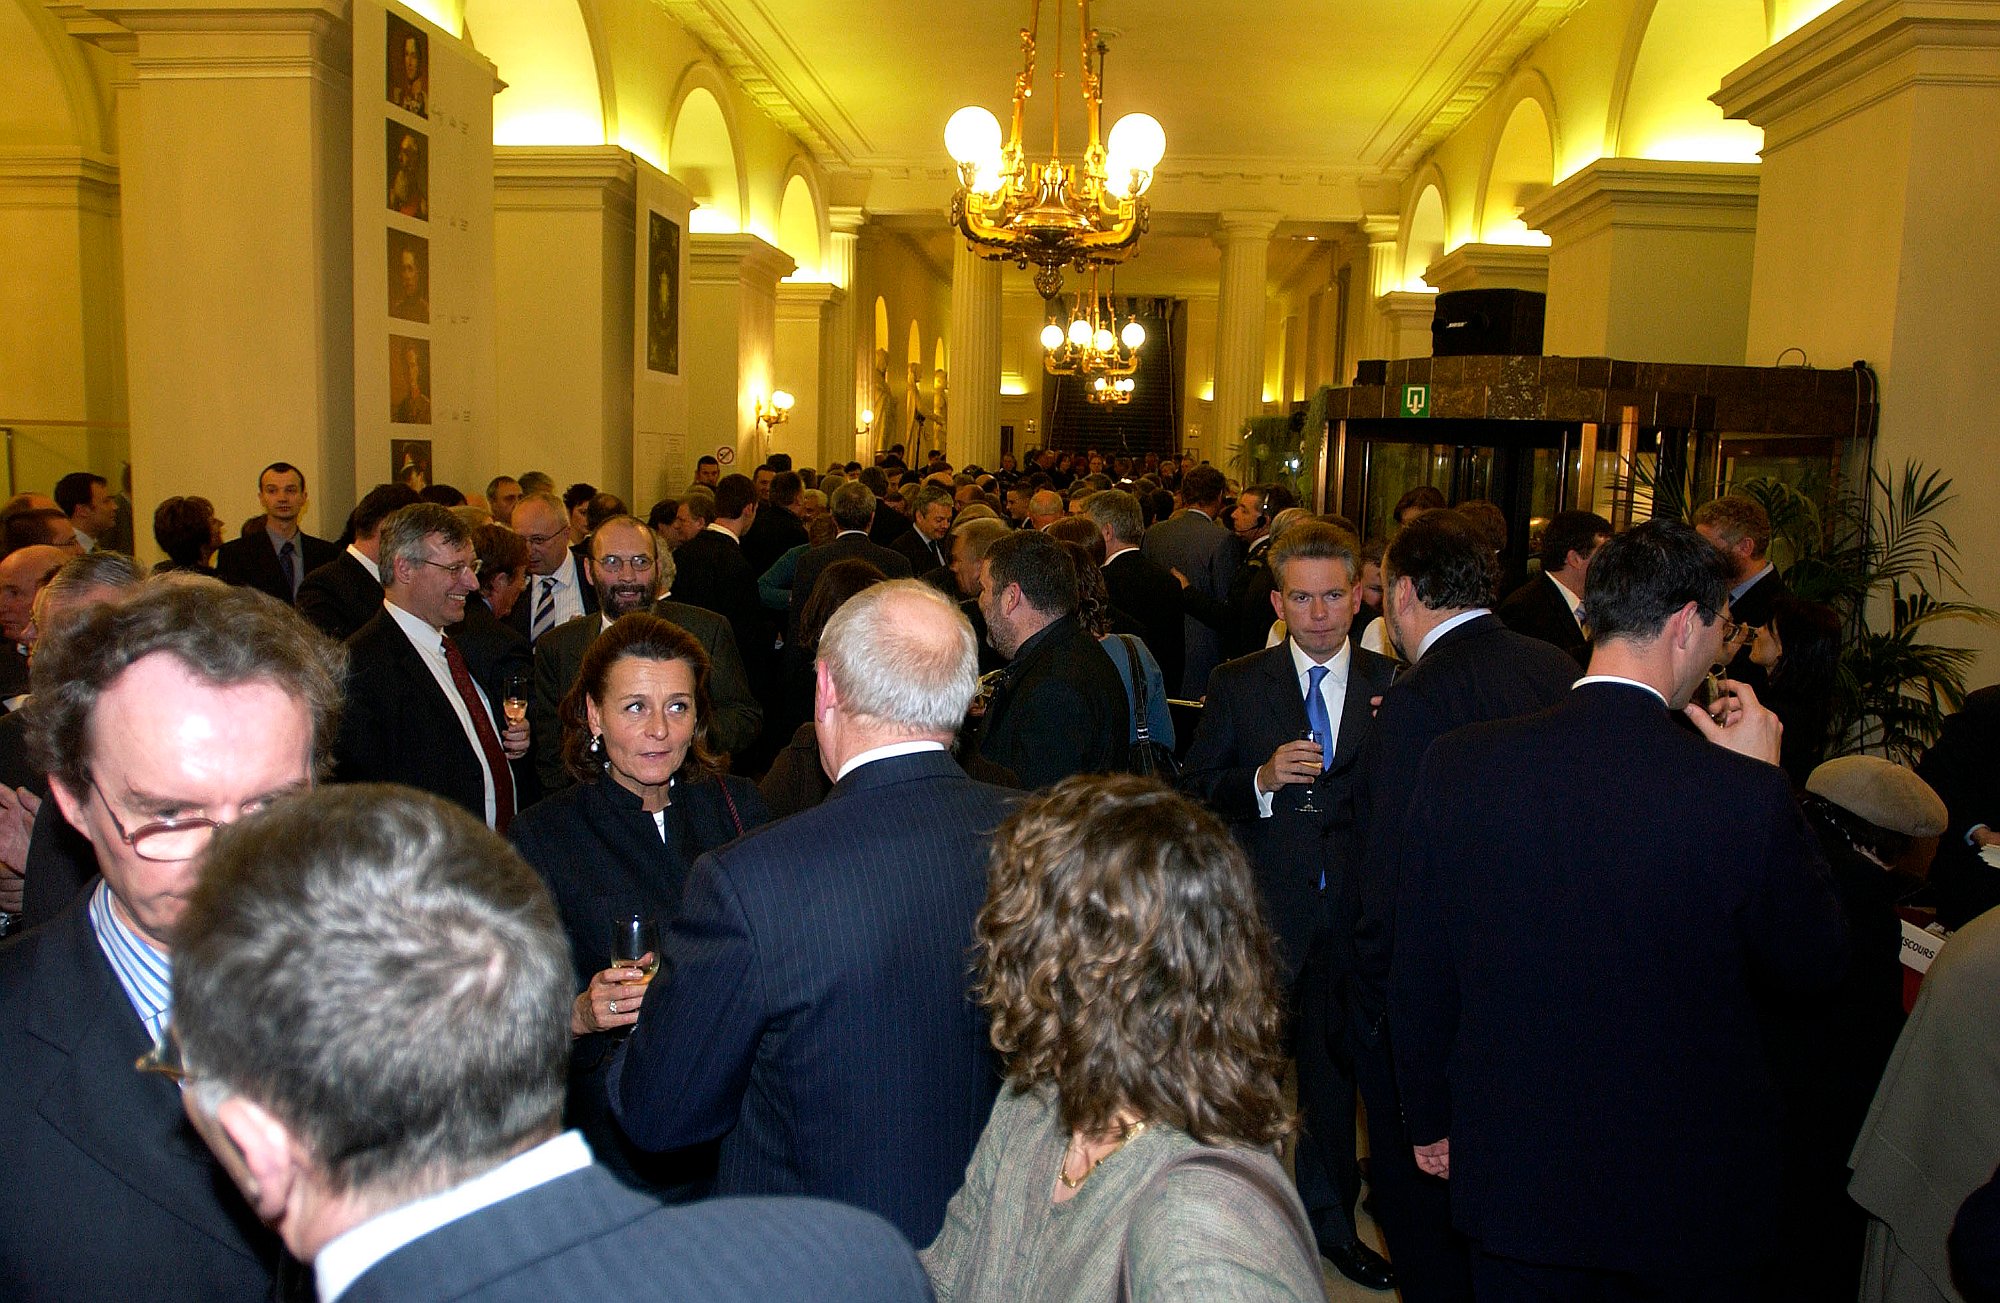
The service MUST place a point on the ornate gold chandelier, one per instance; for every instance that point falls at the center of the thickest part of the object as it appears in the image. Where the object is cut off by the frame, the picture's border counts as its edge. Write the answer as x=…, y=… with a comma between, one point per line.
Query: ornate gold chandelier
x=1095, y=344
x=1054, y=214
x=1111, y=393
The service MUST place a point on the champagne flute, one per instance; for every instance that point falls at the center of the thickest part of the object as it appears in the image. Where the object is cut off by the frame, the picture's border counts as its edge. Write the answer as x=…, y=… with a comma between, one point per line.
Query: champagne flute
x=635, y=943
x=1318, y=739
x=514, y=700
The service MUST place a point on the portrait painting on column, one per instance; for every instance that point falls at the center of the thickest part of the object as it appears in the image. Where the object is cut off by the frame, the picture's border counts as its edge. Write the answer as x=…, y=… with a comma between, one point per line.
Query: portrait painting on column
x=409, y=276
x=409, y=171
x=663, y=281
x=410, y=462
x=408, y=52
x=409, y=380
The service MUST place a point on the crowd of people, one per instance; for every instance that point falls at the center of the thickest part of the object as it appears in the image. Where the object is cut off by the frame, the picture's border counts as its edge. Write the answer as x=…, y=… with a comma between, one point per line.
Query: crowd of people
x=1011, y=884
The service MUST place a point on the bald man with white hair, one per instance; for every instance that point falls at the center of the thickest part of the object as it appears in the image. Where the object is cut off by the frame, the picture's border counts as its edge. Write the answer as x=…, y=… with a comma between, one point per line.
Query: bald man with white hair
x=812, y=1011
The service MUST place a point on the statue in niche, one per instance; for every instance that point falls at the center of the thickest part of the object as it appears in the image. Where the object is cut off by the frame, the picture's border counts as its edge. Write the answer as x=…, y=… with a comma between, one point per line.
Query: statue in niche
x=939, y=401
x=880, y=400
x=913, y=416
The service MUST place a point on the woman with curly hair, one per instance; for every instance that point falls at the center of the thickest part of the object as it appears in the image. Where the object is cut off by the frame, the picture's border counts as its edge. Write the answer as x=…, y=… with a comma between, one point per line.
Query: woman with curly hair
x=1130, y=984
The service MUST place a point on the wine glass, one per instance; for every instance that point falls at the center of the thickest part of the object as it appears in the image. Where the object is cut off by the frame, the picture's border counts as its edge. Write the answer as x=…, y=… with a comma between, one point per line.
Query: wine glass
x=635, y=943
x=1318, y=739
x=514, y=700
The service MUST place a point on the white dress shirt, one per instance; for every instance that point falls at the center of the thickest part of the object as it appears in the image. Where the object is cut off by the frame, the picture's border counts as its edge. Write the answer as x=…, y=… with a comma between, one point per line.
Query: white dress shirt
x=349, y=1255
x=430, y=646
x=873, y=754
x=1463, y=617
x=568, y=594
x=1572, y=600
x=1619, y=678
x=1332, y=691
x=373, y=568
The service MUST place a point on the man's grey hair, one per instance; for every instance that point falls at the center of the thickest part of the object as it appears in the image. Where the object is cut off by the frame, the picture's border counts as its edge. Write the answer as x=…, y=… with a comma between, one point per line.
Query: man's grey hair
x=981, y=533
x=404, y=534
x=902, y=654
x=1117, y=511
x=852, y=505
x=100, y=569
x=386, y=977
x=224, y=635
x=546, y=498
x=930, y=495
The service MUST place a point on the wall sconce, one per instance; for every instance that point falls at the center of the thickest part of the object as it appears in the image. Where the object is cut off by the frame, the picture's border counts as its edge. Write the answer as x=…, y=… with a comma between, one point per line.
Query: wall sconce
x=867, y=420
x=775, y=410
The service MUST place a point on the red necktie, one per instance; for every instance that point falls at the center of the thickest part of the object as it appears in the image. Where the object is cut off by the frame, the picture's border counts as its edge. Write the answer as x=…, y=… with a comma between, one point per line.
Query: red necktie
x=489, y=741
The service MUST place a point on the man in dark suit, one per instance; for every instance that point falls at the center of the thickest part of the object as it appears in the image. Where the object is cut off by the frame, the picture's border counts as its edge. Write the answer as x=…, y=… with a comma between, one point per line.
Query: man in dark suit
x=811, y=1011
x=1139, y=586
x=628, y=567
x=1208, y=554
x=346, y=592
x=925, y=544
x=780, y=524
x=1546, y=606
x=852, y=507
x=1060, y=708
x=90, y=1143
x=1607, y=1121
x=414, y=714
x=1963, y=766
x=887, y=523
x=277, y=558
x=1253, y=763
x=1242, y=619
x=406, y=1159
x=1741, y=527
x=1467, y=667
x=558, y=589
x=714, y=574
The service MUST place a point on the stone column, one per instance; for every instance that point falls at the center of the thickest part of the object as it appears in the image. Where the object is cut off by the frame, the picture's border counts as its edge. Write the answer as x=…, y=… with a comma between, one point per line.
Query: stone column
x=726, y=346
x=972, y=418
x=1405, y=317
x=1245, y=239
x=1376, y=273
x=1875, y=237
x=1649, y=260
x=1491, y=267
x=847, y=372
x=804, y=366
x=564, y=276
x=237, y=227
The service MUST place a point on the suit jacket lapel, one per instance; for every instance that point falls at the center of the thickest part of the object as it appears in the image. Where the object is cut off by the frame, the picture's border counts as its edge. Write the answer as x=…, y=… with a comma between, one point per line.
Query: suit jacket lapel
x=129, y=1122
x=1284, y=680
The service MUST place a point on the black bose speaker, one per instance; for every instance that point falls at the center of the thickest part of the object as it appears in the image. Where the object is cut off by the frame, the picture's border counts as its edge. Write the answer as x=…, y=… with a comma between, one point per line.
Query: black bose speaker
x=1487, y=322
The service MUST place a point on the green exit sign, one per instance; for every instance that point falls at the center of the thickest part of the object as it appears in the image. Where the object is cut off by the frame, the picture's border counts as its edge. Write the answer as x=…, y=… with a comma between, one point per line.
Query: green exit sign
x=1416, y=400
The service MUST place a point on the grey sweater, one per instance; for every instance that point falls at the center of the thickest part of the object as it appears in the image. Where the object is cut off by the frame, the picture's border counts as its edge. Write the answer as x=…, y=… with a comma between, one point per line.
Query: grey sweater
x=1208, y=1235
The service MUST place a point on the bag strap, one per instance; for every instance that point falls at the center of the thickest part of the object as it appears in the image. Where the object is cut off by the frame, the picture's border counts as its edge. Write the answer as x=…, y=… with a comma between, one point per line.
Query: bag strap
x=730, y=801
x=1138, y=687
x=1234, y=1163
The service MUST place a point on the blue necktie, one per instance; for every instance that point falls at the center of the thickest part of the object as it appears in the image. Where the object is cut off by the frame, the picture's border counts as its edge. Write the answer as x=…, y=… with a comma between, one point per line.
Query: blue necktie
x=288, y=562
x=1316, y=715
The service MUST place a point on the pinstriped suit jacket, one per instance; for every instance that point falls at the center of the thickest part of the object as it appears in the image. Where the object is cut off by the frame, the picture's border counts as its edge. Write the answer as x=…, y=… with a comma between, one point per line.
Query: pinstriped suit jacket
x=813, y=1011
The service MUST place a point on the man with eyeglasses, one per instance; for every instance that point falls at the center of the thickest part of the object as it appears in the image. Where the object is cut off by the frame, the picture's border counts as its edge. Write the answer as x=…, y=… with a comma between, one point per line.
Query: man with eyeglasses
x=159, y=718
x=557, y=587
x=631, y=572
x=414, y=714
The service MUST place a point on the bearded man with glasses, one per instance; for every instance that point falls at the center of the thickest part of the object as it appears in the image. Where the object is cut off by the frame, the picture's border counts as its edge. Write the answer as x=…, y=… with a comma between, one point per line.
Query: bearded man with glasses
x=159, y=718
x=414, y=713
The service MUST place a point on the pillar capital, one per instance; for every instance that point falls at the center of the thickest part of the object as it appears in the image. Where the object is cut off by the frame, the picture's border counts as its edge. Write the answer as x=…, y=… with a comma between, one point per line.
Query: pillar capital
x=1656, y=193
x=715, y=259
x=568, y=177
x=1381, y=228
x=221, y=38
x=1491, y=267
x=846, y=219
x=806, y=300
x=1245, y=226
x=1857, y=53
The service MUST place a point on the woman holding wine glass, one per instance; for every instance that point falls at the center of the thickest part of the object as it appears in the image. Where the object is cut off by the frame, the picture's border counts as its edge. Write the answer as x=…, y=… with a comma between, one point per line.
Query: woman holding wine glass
x=648, y=800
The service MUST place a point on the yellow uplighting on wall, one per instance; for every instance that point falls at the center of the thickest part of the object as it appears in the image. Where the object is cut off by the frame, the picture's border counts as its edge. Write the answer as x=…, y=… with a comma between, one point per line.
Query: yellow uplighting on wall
x=448, y=14
x=545, y=126
x=1207, y=394
x=1012, y=386
x=1791, y=15
x=1515, y=231
x=711, y=221
x=1729, y=142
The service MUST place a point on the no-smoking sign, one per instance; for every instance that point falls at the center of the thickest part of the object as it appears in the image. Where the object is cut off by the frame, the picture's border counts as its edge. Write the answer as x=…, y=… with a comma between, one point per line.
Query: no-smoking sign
x=726, y=455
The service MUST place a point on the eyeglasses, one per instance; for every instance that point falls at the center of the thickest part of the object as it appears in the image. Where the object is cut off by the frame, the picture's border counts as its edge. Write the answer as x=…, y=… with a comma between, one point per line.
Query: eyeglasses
x=165, y=1060
x=170, y=841
x=1734, y=630
x=638, y=564
x=543, y=540
x=467, y=568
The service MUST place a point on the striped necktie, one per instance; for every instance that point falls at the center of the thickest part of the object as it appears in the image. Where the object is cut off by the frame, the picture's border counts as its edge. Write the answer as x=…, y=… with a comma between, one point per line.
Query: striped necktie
x=545, y=608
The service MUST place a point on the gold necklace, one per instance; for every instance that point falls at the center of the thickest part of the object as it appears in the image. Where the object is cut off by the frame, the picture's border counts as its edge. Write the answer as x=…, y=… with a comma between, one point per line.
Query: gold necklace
x=1062, y=1173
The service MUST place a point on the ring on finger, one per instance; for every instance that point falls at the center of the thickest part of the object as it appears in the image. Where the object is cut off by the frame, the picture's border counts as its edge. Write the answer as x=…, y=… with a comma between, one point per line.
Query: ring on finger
x=614, y=1006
